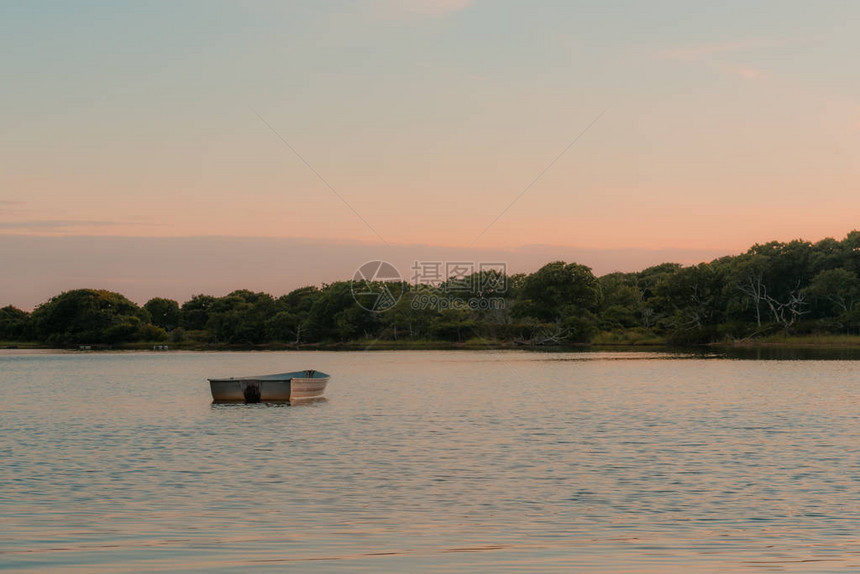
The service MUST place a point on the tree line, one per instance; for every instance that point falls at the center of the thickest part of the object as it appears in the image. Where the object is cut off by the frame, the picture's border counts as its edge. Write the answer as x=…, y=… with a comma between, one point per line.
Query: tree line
x=796, y=287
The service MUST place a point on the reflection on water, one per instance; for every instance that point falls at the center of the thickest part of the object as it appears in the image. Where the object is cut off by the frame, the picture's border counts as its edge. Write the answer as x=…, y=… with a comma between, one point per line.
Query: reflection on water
x=442, y=461
x=793, y=354
x=269, y=405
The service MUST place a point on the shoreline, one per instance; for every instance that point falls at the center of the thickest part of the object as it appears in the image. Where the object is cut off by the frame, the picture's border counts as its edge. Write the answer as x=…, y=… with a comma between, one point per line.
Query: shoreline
x=773, y=342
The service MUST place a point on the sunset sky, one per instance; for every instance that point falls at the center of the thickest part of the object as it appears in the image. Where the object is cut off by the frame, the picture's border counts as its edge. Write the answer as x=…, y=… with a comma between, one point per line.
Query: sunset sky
x=701, y=126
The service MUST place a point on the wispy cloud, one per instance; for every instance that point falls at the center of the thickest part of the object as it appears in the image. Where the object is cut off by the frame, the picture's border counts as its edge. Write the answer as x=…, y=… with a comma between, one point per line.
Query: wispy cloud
x=723, y=56
x=421, y=8
x=52, y=224
x=59, y=225
x=705, y=51
x=750, y=72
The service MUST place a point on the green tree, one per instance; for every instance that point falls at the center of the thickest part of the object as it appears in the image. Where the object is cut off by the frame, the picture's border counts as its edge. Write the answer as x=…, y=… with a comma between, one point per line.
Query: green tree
x=88, y=316
x=839, y=288
x=164, y=312
x=335, y=315
x=558, y=290
x=622, y=301
x=240, y=317
x=787, y=271
x=194, y=313
x=453, y=325
x=411, y=317
x=291, y=313
x=692, y=302
x=851, y=252
x=13, y=323
x=298, y=300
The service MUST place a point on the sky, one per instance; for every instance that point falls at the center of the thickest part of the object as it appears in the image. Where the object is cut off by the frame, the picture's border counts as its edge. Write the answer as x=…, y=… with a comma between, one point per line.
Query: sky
x=467, y=127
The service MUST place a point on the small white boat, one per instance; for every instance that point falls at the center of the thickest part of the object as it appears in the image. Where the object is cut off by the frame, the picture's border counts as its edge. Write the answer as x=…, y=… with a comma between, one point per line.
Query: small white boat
x=283, y=387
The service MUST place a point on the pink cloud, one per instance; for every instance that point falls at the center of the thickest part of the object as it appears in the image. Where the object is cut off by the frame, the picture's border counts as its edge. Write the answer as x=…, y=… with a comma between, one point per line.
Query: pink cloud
x=705, y=51
x=714, y=56
x=749, y=72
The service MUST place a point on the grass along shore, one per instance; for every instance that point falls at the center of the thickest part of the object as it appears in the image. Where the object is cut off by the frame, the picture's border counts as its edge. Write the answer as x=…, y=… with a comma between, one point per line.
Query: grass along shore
x=606, y=340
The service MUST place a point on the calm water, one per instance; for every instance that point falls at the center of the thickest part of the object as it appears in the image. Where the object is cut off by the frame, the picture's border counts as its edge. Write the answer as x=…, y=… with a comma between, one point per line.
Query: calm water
x=431, y=461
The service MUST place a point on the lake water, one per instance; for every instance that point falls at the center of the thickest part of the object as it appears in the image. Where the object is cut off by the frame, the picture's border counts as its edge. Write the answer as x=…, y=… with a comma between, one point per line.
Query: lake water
x=431, y=461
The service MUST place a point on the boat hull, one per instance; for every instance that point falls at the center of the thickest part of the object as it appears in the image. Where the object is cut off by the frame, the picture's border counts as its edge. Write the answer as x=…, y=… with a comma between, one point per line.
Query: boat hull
x=268, y=389
x=307, y=389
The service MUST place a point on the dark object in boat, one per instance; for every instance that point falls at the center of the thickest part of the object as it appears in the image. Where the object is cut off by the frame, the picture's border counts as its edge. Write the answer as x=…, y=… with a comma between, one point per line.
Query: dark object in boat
x=252, y=393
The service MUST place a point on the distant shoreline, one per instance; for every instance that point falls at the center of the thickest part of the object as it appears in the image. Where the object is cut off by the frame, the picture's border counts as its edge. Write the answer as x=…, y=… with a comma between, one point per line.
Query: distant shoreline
x=771, y=342
x=795, y=342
